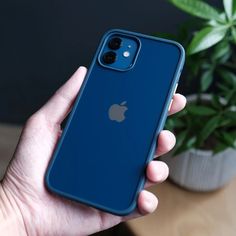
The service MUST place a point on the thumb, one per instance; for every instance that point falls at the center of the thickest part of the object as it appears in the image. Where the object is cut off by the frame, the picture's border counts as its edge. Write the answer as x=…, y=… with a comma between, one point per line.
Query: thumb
x=58, y=106
x=37, y=141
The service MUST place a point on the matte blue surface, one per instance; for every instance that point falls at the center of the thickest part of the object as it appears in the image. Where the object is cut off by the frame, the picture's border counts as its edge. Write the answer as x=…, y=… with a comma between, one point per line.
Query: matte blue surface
x=101, y=162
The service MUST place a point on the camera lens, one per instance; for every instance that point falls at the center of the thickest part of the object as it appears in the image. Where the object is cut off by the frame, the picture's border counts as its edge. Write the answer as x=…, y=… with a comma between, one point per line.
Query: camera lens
x=109, y=57
x=114, y=43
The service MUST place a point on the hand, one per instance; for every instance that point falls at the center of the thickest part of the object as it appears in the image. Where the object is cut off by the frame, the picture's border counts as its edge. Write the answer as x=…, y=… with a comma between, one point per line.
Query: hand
x=23, y=194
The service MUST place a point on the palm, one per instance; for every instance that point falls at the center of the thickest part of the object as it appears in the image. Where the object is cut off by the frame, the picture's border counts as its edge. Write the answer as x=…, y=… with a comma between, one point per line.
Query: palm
x=44, y=208
x=45, y=213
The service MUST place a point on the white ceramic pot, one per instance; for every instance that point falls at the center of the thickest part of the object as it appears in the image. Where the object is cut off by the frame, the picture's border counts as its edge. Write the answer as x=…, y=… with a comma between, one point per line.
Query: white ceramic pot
x=201, y=170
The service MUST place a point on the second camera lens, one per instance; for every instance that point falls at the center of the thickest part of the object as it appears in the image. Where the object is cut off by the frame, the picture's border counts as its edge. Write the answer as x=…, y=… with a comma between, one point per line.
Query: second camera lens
x=114, y=43
x=109, y=57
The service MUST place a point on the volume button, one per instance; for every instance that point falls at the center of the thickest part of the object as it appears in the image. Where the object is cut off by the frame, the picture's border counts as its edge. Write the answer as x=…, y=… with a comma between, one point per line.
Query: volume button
x=173, y=95
x=176, y=86
x=171, y=101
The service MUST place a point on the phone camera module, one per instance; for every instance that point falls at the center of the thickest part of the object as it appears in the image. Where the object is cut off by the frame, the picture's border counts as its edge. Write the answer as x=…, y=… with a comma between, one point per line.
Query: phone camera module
x=115, y=43
x=109, y=57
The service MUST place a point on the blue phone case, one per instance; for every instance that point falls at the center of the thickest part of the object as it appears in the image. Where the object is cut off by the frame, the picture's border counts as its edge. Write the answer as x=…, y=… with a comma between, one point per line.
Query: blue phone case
x=101, y=162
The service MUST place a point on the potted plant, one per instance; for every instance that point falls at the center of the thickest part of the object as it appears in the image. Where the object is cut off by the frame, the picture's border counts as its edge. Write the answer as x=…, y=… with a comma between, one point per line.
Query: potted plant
x=204, y=158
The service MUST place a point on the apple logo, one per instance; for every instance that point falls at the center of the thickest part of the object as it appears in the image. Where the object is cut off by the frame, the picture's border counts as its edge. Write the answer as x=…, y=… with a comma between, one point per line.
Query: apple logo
x=117, y=112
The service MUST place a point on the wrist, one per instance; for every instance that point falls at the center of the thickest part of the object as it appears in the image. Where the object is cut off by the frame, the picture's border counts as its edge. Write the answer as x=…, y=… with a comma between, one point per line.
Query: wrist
x=11, y=220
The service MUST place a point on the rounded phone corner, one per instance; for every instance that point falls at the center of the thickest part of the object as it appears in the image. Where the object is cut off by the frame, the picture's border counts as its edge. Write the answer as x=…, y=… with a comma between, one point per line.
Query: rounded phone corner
x=47, y=182
x=125, y=211
x=181, y=49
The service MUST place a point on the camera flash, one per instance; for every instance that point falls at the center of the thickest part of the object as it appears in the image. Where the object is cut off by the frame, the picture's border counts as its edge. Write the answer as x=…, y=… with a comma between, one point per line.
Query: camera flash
x=126, y=53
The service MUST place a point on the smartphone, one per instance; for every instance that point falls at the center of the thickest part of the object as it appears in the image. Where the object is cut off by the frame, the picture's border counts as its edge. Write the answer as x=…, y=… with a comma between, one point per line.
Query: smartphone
x=111, y=133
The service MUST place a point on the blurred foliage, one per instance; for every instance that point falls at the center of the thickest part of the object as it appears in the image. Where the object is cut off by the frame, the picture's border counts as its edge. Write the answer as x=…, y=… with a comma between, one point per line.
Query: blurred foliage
x=210, y=42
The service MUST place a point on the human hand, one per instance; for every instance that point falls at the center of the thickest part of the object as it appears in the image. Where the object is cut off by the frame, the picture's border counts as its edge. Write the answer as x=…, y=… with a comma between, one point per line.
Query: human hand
x=22, y=191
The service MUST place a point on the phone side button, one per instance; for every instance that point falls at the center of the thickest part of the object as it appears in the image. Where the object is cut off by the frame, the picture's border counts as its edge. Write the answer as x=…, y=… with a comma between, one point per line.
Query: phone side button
x=170, y=104
x=176, y=86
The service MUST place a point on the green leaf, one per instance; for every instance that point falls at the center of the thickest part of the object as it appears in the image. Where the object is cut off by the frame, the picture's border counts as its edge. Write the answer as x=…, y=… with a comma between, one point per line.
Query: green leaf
x=206, y=38
x=214, y=23
x=219, y=148
x=233, y=32
x=200, y=110
x=190, y=143
x=225, y=122
x=208, y=129
x=220, y=50
x=228, y=5
x=216, y=102
x=220, y=22
x=222, y=87
x=180, y=114
x=184, y=142
x=229, y=96
x=234, y=9
x=197, y=8
x=178, y=123
x=207, y=66
x=224, y=58
x=228, y=139
x=231, y=115
x=180, y=146
x=206, y=80
x=223, y=18
x=180, y=150
x=194, y=64
x=173, y=122
x=170, y=124
x=228, y=77
x=180, y=138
